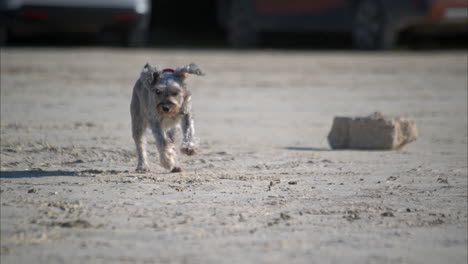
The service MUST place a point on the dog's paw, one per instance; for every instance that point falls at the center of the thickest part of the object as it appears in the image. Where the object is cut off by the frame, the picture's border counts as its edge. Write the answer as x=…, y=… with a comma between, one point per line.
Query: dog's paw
x=189, y=151
x=176, y=170
x=142, y=168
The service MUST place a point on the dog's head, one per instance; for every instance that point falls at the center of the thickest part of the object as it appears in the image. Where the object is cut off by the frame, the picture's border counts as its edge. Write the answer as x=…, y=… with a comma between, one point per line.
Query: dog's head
x=168, y=87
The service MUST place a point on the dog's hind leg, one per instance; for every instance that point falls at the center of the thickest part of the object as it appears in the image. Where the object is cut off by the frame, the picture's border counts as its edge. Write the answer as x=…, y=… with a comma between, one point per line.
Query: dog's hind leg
x=172, y=134
x=167, y=153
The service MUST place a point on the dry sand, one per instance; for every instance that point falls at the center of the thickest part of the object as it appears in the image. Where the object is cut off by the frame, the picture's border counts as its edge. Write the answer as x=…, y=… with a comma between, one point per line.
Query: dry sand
x=265, y=186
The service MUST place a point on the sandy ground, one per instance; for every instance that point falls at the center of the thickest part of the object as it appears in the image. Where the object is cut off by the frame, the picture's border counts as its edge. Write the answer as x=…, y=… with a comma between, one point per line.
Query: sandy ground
x=265, y=186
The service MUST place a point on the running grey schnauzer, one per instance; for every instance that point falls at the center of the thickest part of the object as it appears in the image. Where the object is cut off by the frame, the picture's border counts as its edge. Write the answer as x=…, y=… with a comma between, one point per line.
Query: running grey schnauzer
x=161, y=101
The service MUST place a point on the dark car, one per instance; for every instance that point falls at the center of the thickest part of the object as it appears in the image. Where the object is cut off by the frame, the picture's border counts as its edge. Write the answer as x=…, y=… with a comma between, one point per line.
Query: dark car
x=127, y=19
x=373, y=24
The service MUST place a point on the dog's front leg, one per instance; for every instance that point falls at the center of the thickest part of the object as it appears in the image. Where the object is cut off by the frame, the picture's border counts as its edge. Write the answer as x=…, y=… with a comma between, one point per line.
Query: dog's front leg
x=188, y=131
x=167, y=153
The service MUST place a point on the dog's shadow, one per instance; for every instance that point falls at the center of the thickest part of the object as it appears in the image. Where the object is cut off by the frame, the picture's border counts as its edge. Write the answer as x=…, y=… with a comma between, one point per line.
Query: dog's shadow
x=35, y=174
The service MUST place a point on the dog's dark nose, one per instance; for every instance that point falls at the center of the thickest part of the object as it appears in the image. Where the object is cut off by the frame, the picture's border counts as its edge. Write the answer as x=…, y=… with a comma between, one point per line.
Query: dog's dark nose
x=166, y=108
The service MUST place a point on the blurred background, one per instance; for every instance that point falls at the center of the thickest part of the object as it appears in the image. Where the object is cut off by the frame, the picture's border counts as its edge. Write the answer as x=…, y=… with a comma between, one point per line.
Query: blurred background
x=340, y=24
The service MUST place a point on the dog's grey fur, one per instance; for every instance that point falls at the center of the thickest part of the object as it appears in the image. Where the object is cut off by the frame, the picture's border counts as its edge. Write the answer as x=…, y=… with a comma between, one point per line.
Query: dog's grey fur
x=162, y=102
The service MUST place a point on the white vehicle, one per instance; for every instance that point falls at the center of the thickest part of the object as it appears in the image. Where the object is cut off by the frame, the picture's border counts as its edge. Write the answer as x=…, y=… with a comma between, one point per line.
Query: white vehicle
x=127, y=19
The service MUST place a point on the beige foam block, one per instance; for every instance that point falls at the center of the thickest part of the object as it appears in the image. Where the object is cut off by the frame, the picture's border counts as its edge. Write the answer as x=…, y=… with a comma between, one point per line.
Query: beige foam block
x=375, y=132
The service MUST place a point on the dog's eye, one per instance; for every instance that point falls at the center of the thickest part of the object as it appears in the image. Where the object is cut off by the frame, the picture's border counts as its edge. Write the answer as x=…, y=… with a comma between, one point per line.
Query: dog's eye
x=175, y=93
x=157, y=91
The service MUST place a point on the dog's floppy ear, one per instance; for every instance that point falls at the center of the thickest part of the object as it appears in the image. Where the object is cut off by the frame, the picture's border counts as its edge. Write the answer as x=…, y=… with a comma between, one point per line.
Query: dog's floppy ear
x=150, y=75
x=191, y=68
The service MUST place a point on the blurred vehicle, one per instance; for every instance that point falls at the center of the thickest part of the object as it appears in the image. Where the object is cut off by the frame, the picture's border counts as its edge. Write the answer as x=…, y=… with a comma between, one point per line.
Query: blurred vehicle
x=127, y=19
x=373, y=24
